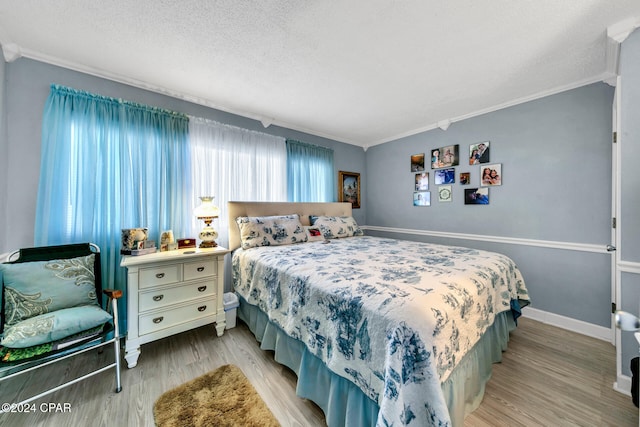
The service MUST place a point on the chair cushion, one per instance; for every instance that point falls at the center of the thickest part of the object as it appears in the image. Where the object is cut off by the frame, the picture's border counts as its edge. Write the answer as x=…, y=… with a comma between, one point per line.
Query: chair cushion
x=34, y=288
x=53, y=326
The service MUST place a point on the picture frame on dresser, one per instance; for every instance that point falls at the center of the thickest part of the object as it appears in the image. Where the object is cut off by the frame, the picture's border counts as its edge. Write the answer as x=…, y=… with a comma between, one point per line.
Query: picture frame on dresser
x=172, y=292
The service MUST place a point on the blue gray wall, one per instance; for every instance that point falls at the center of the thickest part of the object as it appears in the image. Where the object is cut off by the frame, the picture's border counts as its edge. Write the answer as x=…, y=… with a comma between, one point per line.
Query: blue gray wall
x=26, y=90
x=3, y=155
x=556, y=167
x=629, y=217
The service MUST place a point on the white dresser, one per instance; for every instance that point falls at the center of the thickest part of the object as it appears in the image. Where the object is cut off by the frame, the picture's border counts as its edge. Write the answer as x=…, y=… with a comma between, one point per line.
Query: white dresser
x=172, y=292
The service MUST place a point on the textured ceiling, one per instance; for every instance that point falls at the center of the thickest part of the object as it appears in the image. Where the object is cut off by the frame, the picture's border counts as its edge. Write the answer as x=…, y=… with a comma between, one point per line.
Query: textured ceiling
x=361, y=72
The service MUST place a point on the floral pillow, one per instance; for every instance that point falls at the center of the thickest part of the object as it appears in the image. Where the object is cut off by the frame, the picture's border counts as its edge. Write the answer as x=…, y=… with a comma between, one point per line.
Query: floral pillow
x=334, y=227
x=38, y=287
x=270, y=230
x=53, y=326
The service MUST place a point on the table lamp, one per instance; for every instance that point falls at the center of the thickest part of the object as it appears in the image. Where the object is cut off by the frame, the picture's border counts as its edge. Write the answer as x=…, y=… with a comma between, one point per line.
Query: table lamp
x=207, y=212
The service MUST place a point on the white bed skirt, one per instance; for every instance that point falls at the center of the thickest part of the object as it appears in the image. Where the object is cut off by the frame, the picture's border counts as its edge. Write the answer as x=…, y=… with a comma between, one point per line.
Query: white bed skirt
x=344, y=404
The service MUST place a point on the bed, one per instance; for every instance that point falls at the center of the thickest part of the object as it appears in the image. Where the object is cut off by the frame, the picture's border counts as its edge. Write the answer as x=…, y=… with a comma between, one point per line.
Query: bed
x=379, y=331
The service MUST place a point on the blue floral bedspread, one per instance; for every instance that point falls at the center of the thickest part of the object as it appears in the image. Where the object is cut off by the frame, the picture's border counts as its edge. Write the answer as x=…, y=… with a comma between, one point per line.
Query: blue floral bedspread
x=392, y=316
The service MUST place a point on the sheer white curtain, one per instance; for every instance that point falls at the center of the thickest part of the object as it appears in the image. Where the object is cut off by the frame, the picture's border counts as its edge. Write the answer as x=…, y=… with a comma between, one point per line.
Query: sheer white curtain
x=232, y=163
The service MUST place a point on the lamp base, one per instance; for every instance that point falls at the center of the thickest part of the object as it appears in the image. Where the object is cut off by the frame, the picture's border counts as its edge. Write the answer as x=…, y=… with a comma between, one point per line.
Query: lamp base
x=208, y=235
x=208, y=244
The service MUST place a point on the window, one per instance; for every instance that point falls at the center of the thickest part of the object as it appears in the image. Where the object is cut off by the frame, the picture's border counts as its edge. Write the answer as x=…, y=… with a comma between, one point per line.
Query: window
x=234, y=164
x=310, y=174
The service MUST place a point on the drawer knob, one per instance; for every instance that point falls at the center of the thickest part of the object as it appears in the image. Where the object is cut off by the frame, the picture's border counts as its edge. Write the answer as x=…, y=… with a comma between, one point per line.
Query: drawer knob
x=200, y=269
x=202, y=308
x=158, y=319
x=160, y=275
x=158, y=297
x=202, y=288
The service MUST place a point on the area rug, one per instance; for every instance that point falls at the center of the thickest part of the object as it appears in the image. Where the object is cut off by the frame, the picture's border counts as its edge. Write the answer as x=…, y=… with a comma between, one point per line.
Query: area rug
x=224, y=397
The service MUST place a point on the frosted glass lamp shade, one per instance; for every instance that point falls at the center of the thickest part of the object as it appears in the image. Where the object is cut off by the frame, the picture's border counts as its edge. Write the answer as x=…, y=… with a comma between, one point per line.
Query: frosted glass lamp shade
x=206, y=209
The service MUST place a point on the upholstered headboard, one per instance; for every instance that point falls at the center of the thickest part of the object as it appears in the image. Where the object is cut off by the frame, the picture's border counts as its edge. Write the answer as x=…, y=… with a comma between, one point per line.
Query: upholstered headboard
x=236, y=209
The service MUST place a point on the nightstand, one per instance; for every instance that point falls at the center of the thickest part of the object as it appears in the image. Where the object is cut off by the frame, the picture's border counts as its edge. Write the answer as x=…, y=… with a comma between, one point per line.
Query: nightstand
x=172, y=292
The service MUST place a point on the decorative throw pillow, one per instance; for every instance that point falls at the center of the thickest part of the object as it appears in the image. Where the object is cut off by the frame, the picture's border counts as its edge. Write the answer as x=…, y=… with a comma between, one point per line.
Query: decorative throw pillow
x=313, y=233
x=334, y=227
x=54, y=326
x=270, y=230
x=38, y=287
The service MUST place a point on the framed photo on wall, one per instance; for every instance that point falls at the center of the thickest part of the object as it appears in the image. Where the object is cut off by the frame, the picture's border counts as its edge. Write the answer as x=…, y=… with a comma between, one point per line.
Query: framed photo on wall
x=445, y=156
x=417, y=162
x=445, y=176
x=479, y=153
x=349, y=188
x=421, y=198
x=476, y=196
x=465, y=178
x=491, y=175
x=422, y=181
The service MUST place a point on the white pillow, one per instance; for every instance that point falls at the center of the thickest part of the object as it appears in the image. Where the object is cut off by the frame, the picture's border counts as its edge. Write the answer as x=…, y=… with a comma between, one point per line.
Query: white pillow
x=270, y=230
x=334, y=227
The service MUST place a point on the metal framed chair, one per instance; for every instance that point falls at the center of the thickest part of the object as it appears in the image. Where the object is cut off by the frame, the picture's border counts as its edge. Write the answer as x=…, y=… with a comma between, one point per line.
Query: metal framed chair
x=55, y=293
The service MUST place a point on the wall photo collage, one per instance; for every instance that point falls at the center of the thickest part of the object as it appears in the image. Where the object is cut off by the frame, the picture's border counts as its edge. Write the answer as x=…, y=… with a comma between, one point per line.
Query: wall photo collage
x=442, y=162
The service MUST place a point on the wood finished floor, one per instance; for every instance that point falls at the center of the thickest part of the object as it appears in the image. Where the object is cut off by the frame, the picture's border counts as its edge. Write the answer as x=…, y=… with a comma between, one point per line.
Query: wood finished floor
x=548, y=377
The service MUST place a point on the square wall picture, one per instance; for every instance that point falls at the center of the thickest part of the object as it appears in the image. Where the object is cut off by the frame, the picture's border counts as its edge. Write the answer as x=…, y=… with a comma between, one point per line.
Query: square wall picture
x=444, y=193
x=421, y=198
x=491, y=175
x=479, y=153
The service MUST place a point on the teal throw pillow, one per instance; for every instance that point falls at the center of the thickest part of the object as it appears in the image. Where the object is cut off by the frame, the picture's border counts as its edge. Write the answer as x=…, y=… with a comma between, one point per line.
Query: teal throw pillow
x=34, y=288
x=54, y=326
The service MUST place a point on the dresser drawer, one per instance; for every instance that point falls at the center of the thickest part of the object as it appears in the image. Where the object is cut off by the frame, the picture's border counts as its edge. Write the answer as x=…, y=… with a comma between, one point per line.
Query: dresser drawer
x=161, y=275
x=200, y=269
x=153, y=322
x=156, y=298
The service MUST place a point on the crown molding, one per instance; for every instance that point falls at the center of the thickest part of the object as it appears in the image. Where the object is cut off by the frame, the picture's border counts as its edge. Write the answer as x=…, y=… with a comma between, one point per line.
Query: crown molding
x=11, y=52
x=518, y=101
x=623, y=29
x=118, y=78
x=616, y=34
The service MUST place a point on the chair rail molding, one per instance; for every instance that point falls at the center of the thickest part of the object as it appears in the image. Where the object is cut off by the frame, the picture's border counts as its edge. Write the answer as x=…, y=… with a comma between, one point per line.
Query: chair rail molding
x=583, y=247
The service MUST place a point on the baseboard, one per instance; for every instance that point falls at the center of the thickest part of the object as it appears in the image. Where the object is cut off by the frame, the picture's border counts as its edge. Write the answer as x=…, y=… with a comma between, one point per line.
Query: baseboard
x=623, y=385
x=623, y=382
x=584, y=328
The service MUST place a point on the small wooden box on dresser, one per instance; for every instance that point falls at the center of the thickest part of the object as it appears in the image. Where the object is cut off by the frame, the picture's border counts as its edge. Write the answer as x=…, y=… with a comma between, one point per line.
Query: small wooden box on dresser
x=172, y=292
